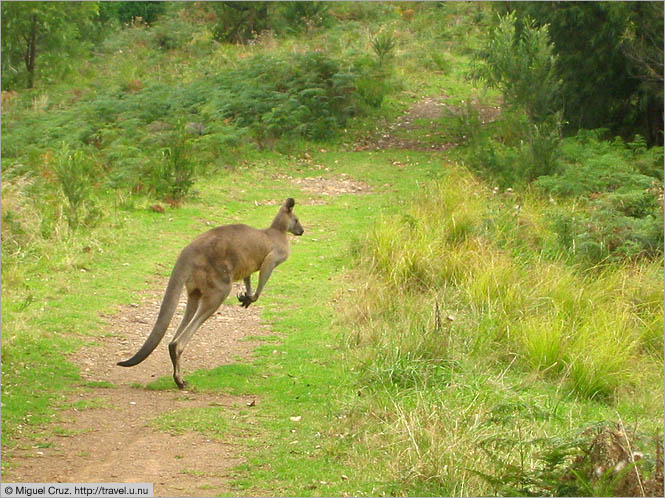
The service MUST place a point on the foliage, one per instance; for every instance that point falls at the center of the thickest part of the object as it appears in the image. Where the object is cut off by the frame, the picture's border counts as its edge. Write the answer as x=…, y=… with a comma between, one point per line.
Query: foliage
x=522, y=66
x=299, y=15
x=622, y=212
x=171, y=33
x=600, y=460
x=309, y=95
x=46, y=31
x=239, y=22
x=610, y=58
x=127, y=12
x=512, y=152
x=74, y=173
x=173, y=176
x=384, y=44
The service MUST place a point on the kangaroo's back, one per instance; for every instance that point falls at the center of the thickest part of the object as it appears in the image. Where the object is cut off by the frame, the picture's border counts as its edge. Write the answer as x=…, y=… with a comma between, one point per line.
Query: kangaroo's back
x=235, y=249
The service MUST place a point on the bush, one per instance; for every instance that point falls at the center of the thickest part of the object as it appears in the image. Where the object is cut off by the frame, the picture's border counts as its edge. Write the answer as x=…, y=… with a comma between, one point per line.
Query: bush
x=128, y=125
x=171, y=34
x=522, y=65
x=74, y=173
x=592, y=165
x=512, y=165
x=173, y=175
x=384, y=45
x=603, y=234
x=596, y=461
x=304, y=15
x=239, y=22
x=308, y=95
x=620, y=212
x=126, y=12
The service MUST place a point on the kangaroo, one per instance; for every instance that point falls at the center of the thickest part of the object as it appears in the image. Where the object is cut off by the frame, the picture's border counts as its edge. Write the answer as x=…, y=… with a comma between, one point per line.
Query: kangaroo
x=207, y=267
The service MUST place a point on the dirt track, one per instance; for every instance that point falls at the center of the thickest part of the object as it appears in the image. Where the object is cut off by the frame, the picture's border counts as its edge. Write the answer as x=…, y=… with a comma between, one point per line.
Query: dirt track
x=109, y=438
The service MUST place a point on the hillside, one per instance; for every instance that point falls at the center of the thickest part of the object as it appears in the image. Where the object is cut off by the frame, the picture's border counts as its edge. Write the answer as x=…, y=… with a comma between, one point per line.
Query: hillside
x=475, y=307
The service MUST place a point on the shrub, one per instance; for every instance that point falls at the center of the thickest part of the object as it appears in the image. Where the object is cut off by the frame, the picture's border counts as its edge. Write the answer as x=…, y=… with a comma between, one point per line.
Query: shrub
x=304, y=15
x=599, y=460
x=126, y=12
x=522, y=65
x=239, y=22
x=620, y=213
x=173, y=175
x=170, y=34
x=74, y=173
x=309, y=95
x=384, y=45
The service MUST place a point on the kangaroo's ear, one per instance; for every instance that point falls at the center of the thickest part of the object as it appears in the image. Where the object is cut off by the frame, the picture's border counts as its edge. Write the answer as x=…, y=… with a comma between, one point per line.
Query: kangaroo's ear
x=289, y=204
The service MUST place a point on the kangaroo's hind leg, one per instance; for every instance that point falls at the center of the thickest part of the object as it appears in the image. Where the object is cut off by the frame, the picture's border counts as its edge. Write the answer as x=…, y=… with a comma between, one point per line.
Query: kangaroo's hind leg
x=207, y=304
x=193, y=298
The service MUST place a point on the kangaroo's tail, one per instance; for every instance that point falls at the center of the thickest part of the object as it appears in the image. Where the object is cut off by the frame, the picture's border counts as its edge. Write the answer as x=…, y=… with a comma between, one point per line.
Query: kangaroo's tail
x=166, y=311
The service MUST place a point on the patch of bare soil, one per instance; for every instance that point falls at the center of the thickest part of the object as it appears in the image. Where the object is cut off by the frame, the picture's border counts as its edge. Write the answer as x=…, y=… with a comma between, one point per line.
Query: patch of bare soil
x=110, y=437
x=419, y=127
x=330, y=187
x=320, y=188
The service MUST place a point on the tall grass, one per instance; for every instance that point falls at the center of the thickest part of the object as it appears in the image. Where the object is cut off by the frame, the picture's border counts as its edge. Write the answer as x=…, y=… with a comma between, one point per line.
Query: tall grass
x=466, y=306
x=589, y=326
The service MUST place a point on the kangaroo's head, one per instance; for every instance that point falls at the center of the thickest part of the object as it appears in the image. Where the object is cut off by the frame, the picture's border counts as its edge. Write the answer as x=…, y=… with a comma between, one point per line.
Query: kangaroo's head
x=286, y=220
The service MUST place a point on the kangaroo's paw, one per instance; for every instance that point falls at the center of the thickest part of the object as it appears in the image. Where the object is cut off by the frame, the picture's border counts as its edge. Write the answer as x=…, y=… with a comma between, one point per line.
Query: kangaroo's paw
x=245, y=300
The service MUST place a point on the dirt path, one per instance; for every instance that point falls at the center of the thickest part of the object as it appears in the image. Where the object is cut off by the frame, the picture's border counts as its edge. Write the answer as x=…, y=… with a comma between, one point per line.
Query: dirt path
x=420, y=126
x=106, y=435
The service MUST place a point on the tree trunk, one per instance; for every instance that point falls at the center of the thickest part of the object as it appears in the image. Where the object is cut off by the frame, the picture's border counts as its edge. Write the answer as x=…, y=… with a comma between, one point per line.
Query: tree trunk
x=31, y=52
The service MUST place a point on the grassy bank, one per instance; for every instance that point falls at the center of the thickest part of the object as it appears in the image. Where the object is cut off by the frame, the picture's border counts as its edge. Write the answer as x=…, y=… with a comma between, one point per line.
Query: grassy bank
x=481, y=351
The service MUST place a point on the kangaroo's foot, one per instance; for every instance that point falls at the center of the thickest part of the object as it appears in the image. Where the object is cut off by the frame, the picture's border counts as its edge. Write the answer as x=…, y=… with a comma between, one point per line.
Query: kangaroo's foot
x=181, y=383
x=175, y=357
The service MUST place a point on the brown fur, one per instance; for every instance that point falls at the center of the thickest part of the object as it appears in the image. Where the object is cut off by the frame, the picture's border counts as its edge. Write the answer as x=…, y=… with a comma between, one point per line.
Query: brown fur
x=207, y=267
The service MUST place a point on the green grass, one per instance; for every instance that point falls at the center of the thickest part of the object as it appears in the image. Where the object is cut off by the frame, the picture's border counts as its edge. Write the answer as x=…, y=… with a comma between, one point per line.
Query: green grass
x=209, y=420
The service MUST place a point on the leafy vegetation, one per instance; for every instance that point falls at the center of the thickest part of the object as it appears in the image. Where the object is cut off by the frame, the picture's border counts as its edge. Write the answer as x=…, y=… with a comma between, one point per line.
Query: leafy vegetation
x=610, y=58
x=619, y=194
x=52, y=33
x=477, y=324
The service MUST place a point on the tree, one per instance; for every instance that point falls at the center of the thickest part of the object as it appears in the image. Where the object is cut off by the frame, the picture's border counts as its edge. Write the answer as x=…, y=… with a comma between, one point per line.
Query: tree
x=238, y=22
x=522, y=65
x=610, y=57
x=35, y=29
x=642, y=44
